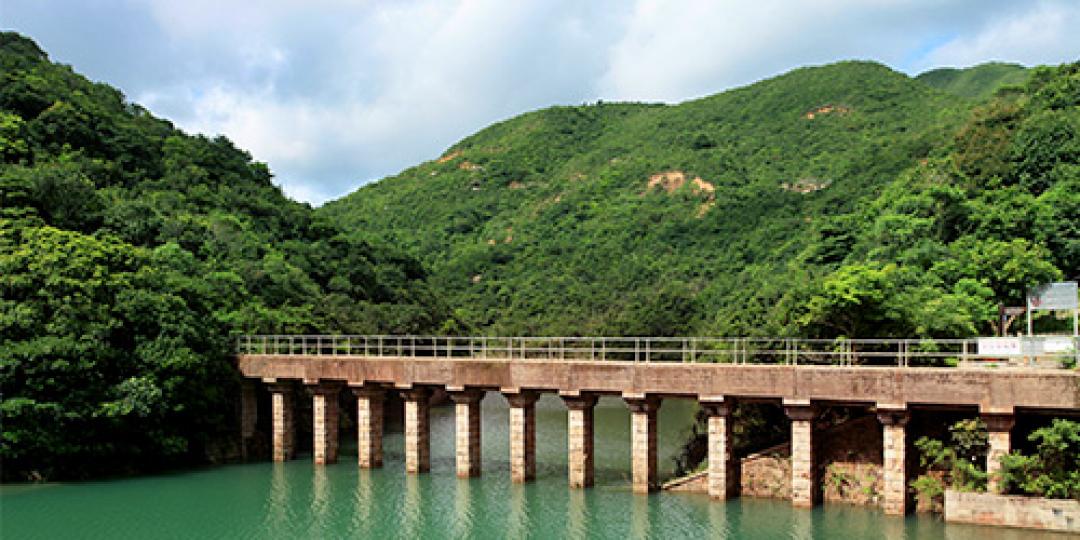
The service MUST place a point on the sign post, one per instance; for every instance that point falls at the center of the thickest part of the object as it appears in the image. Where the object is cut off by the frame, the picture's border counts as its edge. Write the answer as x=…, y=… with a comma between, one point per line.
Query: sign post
x=1054, y=296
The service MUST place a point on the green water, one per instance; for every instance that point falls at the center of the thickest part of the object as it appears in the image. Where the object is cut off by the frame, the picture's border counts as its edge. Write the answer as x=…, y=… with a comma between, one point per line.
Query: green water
x=299, y=500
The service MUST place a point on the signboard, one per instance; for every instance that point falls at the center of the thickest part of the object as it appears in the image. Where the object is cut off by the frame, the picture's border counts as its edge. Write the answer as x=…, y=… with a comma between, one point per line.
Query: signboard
x=1057, y=345
x=1060, y=295
x=1012, y=311
x=1003, y=346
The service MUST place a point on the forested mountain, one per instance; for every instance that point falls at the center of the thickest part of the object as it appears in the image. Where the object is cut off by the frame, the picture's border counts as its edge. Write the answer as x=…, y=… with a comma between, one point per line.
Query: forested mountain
x=977, y=82
x=131, y=254
x=846, y=199
x=839, y=200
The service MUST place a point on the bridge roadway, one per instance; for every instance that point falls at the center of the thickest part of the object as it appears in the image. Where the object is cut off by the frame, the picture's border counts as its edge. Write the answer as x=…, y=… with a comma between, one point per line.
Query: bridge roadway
x=803, y=390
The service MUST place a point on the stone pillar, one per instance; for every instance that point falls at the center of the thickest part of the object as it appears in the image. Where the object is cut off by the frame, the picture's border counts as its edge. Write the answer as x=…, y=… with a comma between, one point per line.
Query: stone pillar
x=579, y=434
x=999, y=430
x=467, y=432
x=522, y=436
x=284, y=433
x=369, y=425
x=324, y=418
x=805, y=490
x=895, y=459
x=417, y=432
x=723, y=479
x=249, y=415
x=643, y=443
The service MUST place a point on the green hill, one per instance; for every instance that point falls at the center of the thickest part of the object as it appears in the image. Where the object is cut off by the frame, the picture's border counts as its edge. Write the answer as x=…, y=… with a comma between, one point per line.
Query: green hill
x=784, y=207
x=976, y=82
x=130, y=254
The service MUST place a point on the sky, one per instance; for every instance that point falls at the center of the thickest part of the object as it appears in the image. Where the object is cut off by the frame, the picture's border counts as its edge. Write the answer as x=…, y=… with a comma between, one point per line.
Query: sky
x=334, y=94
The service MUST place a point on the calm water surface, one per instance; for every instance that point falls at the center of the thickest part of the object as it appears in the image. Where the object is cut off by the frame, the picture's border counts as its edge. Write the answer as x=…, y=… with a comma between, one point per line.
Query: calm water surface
x=299, y=500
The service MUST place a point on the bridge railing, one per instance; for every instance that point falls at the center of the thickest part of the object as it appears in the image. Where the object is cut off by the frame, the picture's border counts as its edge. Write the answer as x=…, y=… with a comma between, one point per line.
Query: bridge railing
x=786, y=351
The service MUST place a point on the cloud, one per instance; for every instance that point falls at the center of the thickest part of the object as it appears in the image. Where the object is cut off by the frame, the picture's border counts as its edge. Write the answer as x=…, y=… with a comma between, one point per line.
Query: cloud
x=1041, y=32
x=336, y=93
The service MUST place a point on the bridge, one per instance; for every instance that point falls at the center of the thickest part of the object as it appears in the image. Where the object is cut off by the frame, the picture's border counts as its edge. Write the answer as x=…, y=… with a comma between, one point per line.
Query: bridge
x=891, y=377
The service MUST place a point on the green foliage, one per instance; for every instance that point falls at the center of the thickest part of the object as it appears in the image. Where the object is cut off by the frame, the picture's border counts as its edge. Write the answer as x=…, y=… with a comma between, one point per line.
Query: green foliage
x=956, y=464
x=130, y=254
x=1053, y=470
x=977, y=82
x=844, y=200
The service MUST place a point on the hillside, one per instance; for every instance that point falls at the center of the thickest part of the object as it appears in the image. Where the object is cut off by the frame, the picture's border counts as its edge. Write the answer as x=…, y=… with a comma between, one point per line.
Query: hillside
x=130, y=254
x=748, y=212
x=976, y=82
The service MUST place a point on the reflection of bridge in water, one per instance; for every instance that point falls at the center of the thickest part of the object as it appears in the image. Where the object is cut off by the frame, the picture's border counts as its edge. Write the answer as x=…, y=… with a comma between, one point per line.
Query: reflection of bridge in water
x=805, y=376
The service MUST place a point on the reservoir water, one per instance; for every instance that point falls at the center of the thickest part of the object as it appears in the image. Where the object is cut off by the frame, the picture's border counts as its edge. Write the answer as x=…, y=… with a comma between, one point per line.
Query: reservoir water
x=299, y=500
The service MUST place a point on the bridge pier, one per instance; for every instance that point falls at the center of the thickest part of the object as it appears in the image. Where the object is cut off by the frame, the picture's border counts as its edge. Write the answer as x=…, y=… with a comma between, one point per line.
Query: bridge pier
x=805, y=490
x=522, y=435
x=723, y=480
x=467, y=432
x=999, y=436
x=895, y=458
x=284, y=432
x=249, y=415
x=417, y=430
x=325, y=412
x=643, y=442
x=579, y=434
x=369, y=425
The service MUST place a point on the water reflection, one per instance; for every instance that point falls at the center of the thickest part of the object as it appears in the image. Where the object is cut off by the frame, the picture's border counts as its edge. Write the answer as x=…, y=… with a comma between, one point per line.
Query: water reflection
x=577, y=523
x=277, y=501
x=462, y=525
x=892, y=527
x=320, y=500
x=363, y=502
x=639, y=517
x=411, y=511
x=802, y=523
x=718, y=519
x=517, y=525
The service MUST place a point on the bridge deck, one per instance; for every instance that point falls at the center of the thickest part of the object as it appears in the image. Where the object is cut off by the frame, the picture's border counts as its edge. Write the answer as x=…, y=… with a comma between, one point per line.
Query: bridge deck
x=991, y=390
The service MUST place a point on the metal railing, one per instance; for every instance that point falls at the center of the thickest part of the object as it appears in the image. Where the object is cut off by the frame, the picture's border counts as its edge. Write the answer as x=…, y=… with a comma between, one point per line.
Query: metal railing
x=783, y=351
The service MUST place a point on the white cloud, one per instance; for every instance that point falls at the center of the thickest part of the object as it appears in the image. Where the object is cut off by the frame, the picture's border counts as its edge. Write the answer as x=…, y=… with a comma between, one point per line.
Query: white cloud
x=1042, y=32
x=333, y=93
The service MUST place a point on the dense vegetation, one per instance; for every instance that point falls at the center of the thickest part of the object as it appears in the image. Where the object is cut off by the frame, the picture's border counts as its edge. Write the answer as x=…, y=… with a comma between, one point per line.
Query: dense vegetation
x=130, y=254
x=975, y=82
x=1052, y=469
x=839, y=200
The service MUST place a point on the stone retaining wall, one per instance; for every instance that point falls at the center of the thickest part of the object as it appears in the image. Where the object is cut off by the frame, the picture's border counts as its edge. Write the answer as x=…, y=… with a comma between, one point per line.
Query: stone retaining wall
x=1012, y=511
